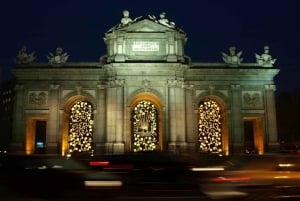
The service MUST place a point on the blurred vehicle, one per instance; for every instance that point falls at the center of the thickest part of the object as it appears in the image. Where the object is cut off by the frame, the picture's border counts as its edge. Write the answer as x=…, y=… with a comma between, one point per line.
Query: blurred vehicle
x=55, y=177
x=151, y=174
x=249, y=148
x=3, y=151
x=290, y=147
x=253, y=177
x=151, y=166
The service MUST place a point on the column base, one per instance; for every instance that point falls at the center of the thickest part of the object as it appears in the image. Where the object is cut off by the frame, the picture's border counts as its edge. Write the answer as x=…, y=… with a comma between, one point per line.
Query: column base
x=109, y=147
x=115, y=147
x=273, y=147
x=178, y=147
x=237, y=148
x=120, y=58
x=52, y=148
x=17, y=147
x=118, y=148
x=100, y=148
x=171, y=58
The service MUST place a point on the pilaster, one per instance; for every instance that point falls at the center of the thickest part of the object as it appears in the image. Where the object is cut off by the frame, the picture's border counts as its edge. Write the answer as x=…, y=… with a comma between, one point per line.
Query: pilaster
x=52, y=139
x=271, y=117
x=191, y=118
x=18, y=131
x=100, y=120
x=177, y=116
x=236, y=138
x=114, y=122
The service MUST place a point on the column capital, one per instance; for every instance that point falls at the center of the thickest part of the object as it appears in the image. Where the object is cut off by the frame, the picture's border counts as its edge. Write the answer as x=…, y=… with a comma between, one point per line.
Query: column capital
x=19, y=87
x=101, y=86
x=116, y=83
x=54, y=86
x=235, y=87
x=270, y=87
x=175, y=83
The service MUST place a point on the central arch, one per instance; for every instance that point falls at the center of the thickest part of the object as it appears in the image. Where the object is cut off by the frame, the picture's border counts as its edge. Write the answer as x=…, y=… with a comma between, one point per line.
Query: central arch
x=145, y=123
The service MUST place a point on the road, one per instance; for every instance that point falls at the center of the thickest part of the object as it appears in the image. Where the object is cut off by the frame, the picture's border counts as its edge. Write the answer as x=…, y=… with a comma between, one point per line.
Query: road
x=263, y=178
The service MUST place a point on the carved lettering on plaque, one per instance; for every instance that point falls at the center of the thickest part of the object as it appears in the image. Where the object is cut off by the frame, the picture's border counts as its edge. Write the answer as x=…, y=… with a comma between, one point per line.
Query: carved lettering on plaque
x=145, y=46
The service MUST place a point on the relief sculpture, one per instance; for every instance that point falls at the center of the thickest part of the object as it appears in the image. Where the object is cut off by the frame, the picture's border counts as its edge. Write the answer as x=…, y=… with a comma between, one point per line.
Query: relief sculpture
x=37, y=98
x=251, y=98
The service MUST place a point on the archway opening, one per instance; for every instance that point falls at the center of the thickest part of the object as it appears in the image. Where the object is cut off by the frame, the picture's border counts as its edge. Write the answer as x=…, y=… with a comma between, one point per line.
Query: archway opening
x=212, y=126
x=209, y=132
x=77, y=136
x=253, y=135
x=81, y=122
x=36, y=135
x=146, y=123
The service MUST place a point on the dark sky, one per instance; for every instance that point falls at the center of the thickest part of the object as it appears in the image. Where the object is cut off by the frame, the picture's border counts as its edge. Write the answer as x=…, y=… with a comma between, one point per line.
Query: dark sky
x=211, y=26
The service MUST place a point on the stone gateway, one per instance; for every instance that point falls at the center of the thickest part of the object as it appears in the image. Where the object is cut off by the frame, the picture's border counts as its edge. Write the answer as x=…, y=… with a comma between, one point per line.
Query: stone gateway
x=145, y=94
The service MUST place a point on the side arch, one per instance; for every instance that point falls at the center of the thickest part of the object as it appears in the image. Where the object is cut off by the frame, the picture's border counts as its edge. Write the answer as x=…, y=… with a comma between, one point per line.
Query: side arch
x=216, y=94
x=224, y=119
x=75, y=96
x=66, y=119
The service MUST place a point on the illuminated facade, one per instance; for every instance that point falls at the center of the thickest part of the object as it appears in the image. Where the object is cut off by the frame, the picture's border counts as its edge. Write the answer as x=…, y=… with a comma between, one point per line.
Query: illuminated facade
x=145, y=94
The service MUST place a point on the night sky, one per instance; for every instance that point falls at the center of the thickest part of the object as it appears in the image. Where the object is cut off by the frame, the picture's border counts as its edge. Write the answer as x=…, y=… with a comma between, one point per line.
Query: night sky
x=211, y=26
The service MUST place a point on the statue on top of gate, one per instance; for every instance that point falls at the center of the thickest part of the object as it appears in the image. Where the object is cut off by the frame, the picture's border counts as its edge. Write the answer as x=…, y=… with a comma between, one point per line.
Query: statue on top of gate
x=233, y=59
x=58, y=58
x=265, y=60
x=23, y=57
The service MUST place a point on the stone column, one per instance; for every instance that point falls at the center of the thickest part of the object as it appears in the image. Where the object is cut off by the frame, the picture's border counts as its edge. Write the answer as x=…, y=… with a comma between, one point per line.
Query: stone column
x=119, y=142
x=52, y=140
x=120, y=57
x=190, y=118
x=19, y=129
x=271, y=126
x=177, y=116
x=237, y=128
x=114, y=114
x=172, y=116
x=110, y=116
x=99, y=121
x=171, y=57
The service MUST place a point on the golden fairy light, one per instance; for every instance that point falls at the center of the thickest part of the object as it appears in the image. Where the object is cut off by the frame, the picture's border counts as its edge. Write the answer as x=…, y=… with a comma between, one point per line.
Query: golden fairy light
x=209, y=132
x=81, y=128
x=144, y=127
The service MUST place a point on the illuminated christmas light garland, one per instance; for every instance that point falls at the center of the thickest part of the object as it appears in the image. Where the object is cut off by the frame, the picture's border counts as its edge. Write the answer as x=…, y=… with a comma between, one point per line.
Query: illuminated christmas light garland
x=144, y=127
x=209, y=134
x=81, y=128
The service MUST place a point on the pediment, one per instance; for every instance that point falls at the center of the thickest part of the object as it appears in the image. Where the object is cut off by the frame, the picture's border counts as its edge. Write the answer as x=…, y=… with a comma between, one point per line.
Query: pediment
x=146, y=25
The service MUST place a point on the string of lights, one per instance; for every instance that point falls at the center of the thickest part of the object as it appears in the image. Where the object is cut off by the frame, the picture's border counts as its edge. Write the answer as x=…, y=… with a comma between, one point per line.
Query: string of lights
x=209, y=134
x=81, y=128
x=144, y=127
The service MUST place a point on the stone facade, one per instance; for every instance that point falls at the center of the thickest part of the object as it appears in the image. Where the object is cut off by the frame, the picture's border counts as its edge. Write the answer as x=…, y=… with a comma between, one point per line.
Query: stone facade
x=145, y=64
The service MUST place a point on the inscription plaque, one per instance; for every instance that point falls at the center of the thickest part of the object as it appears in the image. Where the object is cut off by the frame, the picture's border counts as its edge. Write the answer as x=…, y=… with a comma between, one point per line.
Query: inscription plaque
x=145, y=46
